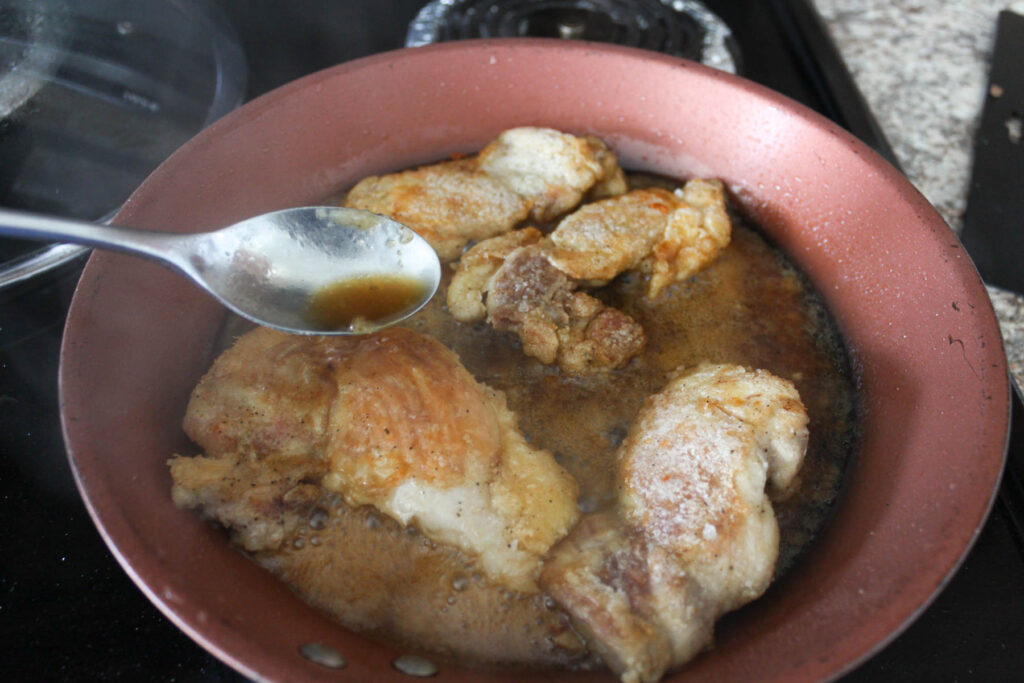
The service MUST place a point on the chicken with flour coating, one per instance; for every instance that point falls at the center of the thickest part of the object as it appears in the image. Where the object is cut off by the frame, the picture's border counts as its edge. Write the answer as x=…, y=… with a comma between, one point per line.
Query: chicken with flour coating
x=693, y=534
x=525, y=173
x=391, y=420
x=667, y=236
x=529, y=296
x=528, y=284
x=370, y=473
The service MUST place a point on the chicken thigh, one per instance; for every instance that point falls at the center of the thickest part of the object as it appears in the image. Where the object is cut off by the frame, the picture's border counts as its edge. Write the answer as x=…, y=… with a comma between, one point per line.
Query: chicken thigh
x=526, y=283
x=392, y=420
x=693, y=534
x=534, y=173
x=527, y=295
x=668, y=236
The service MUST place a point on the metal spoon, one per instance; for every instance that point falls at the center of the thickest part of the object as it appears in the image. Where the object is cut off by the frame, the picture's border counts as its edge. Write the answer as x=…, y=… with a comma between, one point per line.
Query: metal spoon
x=273, y=268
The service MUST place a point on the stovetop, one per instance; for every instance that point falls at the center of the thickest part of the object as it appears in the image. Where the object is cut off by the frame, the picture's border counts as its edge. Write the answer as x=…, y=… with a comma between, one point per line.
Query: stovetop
x=69, y=612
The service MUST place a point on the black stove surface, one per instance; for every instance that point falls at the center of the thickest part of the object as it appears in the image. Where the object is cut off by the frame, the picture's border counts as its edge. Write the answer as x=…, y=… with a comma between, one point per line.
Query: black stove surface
x=69, y=612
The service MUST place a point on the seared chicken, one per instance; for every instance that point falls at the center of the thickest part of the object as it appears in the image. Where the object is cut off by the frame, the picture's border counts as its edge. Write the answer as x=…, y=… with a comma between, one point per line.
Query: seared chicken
x=530, y=297
x=527, y=284
x=693, y=534
x=391, y=420
x=668, y=235
x=534, y=173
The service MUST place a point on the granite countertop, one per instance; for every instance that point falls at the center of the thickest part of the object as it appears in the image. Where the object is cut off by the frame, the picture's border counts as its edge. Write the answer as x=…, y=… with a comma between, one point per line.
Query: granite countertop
x=922, y=66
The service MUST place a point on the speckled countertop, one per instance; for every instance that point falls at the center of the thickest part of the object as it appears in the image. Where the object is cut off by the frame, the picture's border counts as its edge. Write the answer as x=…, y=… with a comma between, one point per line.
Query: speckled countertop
x=922, y=66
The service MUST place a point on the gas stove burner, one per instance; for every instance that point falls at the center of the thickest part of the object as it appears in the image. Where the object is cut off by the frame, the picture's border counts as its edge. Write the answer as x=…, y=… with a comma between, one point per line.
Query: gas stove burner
x=684, y=28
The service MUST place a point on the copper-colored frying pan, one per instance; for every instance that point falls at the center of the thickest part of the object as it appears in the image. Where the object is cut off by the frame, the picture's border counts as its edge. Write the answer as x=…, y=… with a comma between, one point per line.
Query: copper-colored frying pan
x=915, y=316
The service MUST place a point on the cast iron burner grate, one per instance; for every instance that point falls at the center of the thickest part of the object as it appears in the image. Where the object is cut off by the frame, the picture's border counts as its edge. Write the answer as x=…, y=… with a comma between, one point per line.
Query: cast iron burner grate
x=683, y=28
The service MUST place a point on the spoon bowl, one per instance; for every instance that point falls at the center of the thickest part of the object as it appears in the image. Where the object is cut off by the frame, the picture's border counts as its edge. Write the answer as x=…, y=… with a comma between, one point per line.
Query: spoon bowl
x=309, y=270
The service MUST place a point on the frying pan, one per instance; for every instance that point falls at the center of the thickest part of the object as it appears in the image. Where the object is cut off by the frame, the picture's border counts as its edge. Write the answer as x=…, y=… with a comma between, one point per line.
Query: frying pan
x=927, y=353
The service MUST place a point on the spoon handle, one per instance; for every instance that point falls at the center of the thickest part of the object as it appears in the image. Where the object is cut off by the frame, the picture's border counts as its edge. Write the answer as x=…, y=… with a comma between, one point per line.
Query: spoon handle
x=150, y=243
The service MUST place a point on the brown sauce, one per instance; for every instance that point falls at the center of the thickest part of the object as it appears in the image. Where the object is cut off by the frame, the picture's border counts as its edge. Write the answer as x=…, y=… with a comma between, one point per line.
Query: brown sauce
x=394, y=584
x=366, y=298
x=750, y=307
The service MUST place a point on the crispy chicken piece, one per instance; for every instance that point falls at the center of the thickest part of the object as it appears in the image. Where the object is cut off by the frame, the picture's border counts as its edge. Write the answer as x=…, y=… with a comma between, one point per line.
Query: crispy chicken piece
x=552, y=170
x=693, y=534
x=535, y=173
x=526, y=283
x=527, y=295
x=391, y=420
x=449, y=203
x=667, y=235
x=532, y=298
x=264, y=501
x=476, y=268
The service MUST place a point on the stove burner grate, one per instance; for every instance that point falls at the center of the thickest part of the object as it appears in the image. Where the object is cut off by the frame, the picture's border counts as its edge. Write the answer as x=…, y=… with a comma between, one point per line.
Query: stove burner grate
x=683, y=28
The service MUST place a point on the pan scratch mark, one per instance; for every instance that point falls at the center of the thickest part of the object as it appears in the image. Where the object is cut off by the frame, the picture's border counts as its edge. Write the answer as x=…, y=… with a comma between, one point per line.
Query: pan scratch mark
x=963, y=352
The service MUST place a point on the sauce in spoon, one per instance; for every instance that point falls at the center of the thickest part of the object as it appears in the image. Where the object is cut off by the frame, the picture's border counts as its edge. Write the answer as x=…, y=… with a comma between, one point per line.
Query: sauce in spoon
x=362, y=300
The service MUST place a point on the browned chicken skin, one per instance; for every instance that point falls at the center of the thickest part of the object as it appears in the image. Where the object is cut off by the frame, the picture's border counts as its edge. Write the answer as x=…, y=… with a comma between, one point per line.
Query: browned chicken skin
x=391, y=420
x=534, y=173
x=509, y=280
x=693, y=534
x=526, y=283
x=532, y=298
x=667, y=235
